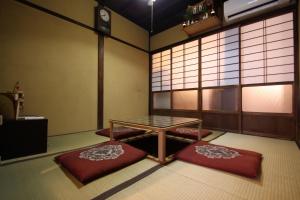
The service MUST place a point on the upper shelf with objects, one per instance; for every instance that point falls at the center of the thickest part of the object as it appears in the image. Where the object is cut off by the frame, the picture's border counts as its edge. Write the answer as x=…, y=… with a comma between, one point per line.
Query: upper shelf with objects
x=202, y=16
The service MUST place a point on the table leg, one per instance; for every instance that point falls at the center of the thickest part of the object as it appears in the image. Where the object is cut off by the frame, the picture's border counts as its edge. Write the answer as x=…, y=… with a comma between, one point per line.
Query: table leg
x=111, y=127
x=162, y=147
x=199, y=129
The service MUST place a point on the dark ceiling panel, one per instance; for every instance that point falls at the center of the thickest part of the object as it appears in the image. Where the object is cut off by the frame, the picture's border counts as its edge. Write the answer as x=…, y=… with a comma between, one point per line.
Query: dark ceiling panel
x=167, y=13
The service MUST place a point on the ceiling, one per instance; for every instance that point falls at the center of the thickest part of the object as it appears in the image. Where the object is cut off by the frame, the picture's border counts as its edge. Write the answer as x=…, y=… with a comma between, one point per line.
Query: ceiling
x=167, y=13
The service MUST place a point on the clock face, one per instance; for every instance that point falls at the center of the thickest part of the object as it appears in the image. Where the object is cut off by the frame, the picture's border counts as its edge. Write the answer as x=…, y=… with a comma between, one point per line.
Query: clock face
x=104, y=15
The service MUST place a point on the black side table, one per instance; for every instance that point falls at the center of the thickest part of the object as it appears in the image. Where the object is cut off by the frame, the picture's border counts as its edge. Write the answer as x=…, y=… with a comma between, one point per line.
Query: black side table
x=23, y=138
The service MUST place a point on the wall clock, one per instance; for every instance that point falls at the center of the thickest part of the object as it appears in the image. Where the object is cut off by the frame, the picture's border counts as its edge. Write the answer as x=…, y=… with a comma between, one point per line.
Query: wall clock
x=103, y=20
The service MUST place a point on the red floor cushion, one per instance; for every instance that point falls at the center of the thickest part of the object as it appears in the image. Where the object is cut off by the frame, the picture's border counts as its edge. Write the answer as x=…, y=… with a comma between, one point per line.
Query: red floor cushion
x=120, y=132
x=242, y=162
x=94, y=162
x=191, y=133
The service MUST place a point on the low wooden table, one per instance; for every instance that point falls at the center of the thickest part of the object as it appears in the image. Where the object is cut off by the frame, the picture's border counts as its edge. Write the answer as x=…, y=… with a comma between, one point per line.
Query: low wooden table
x=158, y=124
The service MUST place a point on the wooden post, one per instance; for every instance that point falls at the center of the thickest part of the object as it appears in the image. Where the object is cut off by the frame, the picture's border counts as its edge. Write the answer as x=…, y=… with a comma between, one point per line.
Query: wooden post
x=162, y=147
x=199, y=129
x=111, y=127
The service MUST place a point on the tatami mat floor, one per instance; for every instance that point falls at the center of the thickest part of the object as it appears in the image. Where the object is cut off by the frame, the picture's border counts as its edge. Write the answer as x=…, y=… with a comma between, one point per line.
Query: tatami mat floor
x=43, y=179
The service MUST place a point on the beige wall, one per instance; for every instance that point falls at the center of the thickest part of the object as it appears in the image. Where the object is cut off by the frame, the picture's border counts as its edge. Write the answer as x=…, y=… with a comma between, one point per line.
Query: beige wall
x=83, y=11
x=56, y=62
x=298, y=131
x=167, y=37
x=125, y=81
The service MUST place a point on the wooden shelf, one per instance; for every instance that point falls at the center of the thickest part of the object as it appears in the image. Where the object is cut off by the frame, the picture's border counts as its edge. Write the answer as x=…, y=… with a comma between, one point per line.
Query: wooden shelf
x=202, y=25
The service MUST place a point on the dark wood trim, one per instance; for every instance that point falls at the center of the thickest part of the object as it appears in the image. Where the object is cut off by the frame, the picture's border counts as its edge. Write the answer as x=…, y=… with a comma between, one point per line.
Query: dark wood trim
x=267, y=15
x=240, y=96
x=220, y=112
x=287, y=115
x=127, y=43
x=296, y=98
x=122, y=186
x=100, y=81
x=265, y=135
x=68, y=19
x=267, y=84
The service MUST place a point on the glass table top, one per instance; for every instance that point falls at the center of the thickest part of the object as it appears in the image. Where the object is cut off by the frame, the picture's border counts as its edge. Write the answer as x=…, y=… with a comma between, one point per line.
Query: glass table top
x=158, y=121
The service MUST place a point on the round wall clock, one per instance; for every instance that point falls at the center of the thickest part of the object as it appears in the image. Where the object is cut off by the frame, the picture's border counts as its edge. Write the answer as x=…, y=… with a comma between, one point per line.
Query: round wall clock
x=103, y=20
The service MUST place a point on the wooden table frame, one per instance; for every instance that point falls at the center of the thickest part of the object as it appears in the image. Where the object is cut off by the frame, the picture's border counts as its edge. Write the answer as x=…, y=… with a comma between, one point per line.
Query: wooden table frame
x=160, y=131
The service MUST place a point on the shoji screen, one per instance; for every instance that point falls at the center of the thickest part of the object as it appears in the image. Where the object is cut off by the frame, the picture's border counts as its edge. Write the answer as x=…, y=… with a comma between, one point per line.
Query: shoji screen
x=220, y=59
x=267, y=50
x=161, y=71
x=185, y=66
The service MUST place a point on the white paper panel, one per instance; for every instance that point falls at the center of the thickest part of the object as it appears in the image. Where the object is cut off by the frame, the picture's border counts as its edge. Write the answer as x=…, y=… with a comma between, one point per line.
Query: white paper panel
x=252, y=34
x=268, y=99
x=209, y=83
x=253, y=72
x=280, y=69
x=209, y=51
x=185, y=100
x=234, y=81
x=177, y=48
x=191, y=56
x=252, y=27
x=177, y=70
x=209, y=70
x=191, y=44
x=192, y=50
x=230, y=53
x=280, y=27
x=177, y=75
x=209, y=77
x=228, y=61
x=227, y=75
x=230, y=39
x=191, y=73
x=254, y=49
x=177, y=64
x=209, y=38
x=209, y=64
x=192, y=67
x=166, y=52
x=220, y=99
x=209, y=45
x=161, y=100
x=156, y=84
x=191, y=85
x=166, y=62
x=252, y=42
x=280, y=77
x=254, y=64
x=227, y=33
x=177, y=59
x=280, y=36
x=280, y=61
x=228, y=47
x=191, y=62
x=177, y=86
x=253, y=80
x=279, y=19
x=252, y=57
x=157, y=55
x=177, y=53
x=155, y=89
x=209, y=58
x=280, y=52
x=280, y=44
x=229, y=67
